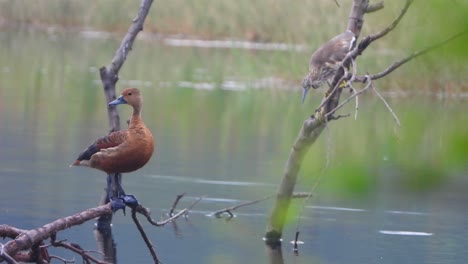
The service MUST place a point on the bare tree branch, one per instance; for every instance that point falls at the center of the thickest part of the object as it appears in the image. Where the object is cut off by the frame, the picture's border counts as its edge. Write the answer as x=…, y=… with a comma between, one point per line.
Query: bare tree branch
x=28, y=239
x=375, y=7
x=146, y=213
x=369, y=85
x=145, y=237
x=392, y=25
x=63, y=260
x=229, y=210
x=174, y=205
x=395, y=117
x=109, y=74
x=109, y=77
x=414, y=55
x=193, y=204
x=75, y=248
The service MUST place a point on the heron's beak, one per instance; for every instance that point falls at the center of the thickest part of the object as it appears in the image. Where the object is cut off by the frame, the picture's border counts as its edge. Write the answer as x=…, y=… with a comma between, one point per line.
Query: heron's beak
x=304, y=93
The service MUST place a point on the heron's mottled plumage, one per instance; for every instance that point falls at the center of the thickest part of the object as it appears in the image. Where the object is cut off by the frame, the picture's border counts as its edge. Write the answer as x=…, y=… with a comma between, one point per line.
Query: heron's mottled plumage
x=325, y=61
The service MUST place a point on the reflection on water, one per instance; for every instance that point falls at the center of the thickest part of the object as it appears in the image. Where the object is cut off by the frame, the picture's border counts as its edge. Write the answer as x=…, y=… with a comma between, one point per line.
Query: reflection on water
x=389, y=196
x=404, y=233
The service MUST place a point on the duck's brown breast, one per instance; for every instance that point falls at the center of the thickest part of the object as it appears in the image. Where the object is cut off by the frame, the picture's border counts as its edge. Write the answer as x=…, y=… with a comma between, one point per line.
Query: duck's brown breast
x=129, y=156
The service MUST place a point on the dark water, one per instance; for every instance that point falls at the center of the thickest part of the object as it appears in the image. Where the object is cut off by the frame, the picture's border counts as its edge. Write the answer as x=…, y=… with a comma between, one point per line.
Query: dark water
x=389, y=195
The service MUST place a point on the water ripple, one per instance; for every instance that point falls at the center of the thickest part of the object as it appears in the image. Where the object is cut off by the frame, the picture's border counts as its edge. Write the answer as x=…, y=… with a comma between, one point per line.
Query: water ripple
x=337, y=208
x=205, y=181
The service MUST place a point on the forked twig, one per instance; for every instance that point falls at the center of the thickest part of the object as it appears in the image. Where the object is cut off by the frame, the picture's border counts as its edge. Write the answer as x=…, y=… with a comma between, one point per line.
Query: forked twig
x=229, y=210
x=75, y=248
x=369, y=84
x=146, y=213
x=63, y=260
x=176, y=201
x=399, y=63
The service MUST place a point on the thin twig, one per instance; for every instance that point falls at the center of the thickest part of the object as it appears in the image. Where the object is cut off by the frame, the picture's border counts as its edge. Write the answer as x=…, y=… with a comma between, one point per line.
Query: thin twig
x=369, y=84
x=146, y=213
x=176, y=201
x=350, y=84
x=330, y=94
x=397, y=64
x=395, y=117
x=193, y=204
x=229, y=210
x=63, y=260
x=336, y=117
x=144, y=236
x=393, y=24
x=374, y=7
x=295, y=248
x=78, y=250
x=298, y=195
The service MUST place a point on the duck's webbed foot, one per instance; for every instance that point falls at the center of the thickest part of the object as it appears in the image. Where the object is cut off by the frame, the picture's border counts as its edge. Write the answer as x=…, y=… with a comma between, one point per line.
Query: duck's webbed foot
x=121, y=200
x=117, y=203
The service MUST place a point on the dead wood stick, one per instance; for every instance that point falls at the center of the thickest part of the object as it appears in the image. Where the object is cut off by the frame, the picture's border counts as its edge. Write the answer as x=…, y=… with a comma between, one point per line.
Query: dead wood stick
x=176, y=202
x=414, y=55
x=109, y=77
x=229, y=210
x=144, y=236
x=28, y=239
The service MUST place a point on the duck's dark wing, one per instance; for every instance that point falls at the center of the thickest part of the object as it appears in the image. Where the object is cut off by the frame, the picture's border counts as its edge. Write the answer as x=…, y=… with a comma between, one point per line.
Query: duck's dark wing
x=112, y=140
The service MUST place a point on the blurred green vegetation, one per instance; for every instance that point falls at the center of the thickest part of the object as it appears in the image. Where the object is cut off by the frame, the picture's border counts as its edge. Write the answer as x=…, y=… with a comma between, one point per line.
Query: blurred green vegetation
x=308, y=22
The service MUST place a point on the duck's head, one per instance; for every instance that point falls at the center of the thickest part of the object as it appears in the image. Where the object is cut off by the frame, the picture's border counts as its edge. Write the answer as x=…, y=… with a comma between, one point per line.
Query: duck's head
x=130, y=96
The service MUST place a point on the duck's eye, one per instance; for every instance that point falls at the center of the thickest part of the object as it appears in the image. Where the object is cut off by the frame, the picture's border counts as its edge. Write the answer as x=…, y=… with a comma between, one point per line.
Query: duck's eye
x=129, y=94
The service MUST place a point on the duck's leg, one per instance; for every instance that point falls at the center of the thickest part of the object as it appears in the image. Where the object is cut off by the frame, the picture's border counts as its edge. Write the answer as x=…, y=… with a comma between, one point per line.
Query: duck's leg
x=129, y=199
x=117, y=203
x=120, y=200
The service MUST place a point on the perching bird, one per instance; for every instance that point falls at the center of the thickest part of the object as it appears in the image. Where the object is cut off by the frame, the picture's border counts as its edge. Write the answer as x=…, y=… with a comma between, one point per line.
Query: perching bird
x=121, y=151
x=325, y=61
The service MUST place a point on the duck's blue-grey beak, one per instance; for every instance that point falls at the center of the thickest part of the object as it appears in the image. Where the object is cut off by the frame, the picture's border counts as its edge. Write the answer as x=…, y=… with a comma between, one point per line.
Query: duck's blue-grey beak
x=304, y=93
x=118, y=101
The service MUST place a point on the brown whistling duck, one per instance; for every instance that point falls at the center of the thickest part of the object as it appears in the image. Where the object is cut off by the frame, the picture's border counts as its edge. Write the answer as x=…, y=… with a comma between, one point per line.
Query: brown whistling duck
x=121, y=151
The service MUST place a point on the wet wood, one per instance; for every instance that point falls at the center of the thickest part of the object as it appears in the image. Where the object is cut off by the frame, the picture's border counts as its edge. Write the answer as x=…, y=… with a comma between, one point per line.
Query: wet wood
x=310, y=131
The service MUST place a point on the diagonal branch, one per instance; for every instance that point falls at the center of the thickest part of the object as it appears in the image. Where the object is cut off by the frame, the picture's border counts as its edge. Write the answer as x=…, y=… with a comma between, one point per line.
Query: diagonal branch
x=146, y=213
x=29, y=238
x=395, y=117
x=229, y=210
x=416, y=54
x=109, y=74
x=310, y=131
x=392, y=26
x=77, y=249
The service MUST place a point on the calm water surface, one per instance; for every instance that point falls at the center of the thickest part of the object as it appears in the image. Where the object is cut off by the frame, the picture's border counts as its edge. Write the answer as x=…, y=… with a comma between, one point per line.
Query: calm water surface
x=389, y=195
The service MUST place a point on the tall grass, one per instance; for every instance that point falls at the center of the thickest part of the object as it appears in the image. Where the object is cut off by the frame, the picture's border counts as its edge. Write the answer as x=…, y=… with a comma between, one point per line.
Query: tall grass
x=308, y=21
